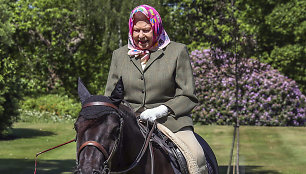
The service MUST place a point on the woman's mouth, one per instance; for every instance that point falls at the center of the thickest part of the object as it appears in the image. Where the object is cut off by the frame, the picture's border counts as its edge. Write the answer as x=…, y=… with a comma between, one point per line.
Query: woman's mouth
x=143, y=42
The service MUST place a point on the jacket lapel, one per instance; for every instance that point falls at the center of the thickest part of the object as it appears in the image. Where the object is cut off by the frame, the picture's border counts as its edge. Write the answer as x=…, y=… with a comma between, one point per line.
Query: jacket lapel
x=154, y=55
x=137, y=64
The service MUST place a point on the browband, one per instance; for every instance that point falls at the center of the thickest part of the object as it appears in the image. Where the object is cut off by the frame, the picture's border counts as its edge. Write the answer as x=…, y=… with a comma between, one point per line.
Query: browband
x=100, y=104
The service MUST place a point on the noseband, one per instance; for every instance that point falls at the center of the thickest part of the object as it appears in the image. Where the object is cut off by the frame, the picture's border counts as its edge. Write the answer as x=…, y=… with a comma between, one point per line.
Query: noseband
x=99, y=146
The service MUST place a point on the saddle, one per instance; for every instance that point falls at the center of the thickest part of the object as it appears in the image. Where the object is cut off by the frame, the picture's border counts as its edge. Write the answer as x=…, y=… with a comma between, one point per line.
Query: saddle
x=169, y=148
x=172, y=151
x=176, y=156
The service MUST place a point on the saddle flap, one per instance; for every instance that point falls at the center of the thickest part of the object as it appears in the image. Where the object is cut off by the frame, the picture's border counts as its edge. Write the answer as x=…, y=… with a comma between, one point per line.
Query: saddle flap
x=173, y=153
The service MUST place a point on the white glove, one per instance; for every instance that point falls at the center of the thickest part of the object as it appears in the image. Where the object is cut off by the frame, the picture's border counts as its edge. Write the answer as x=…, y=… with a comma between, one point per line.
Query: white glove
x=154, y=113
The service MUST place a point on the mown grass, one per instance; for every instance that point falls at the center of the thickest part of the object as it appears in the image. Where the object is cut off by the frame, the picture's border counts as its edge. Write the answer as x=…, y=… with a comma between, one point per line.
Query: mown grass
x=262, y=149
x=18, y=152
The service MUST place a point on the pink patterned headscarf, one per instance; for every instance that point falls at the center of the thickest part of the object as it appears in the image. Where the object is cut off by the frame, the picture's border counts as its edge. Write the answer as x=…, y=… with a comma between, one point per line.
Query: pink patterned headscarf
x=160, y=37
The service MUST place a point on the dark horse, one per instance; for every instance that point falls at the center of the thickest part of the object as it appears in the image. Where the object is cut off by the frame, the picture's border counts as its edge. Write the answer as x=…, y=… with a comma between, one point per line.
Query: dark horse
x=109, y=139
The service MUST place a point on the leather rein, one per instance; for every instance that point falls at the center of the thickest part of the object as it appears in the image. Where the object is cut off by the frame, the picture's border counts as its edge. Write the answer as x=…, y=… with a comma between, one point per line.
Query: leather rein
x=100, y=147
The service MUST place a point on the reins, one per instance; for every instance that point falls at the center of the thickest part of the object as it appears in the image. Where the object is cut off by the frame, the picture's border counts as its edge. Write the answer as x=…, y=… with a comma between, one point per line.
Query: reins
x=142, y=152
x=106, y=169
x=39, y=153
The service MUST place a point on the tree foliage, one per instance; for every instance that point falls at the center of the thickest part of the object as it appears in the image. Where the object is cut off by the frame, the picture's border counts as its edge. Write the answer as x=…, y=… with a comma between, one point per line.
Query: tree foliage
x=46, y=44
x=287, y=22
x=62, y=40
x=272, y=31
x=9, y=80
x=48, y=35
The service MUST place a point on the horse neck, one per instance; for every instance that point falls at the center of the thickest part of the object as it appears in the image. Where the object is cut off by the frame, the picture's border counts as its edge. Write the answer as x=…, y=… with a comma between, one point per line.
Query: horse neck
x=130, y=144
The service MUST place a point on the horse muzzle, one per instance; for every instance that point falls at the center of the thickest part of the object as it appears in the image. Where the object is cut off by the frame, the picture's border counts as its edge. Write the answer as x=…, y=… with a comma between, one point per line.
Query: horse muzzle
x=93, y=171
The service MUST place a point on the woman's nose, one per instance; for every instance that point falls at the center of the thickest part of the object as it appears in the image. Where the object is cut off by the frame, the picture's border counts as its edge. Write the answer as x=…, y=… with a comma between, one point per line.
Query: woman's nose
x=141, y=35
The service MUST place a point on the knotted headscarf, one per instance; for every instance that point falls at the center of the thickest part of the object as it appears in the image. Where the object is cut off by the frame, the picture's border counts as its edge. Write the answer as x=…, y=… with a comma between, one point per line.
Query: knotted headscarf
x=160, y=37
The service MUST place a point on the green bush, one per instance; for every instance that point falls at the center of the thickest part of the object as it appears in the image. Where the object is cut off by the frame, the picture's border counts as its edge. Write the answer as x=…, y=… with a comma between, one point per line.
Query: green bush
x=51, y=107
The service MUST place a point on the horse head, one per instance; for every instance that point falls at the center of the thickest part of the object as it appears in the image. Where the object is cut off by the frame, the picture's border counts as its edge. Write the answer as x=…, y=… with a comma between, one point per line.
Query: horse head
x=98, y=129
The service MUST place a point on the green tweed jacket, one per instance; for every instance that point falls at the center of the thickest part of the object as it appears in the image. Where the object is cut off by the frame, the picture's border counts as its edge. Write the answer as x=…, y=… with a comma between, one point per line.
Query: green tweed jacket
x=167, y=79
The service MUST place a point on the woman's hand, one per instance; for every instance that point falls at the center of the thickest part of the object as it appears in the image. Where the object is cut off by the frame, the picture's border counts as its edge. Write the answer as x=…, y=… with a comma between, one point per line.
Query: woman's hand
x=154, y=113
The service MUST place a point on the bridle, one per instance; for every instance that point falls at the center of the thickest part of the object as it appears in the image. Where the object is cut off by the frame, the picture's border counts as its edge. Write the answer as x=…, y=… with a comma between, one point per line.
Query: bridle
x=101, y=148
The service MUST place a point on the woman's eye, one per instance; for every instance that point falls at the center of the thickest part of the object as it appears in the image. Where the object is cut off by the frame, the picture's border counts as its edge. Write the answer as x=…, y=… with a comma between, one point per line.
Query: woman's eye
x=136, y=31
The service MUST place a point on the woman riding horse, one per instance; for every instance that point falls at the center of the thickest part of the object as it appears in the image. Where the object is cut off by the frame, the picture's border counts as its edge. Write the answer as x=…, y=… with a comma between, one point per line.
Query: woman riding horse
x=110, y=139
x=157, y=77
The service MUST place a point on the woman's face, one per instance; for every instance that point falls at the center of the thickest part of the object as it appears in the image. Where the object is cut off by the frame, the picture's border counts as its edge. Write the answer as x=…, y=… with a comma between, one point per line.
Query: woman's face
x=143, y=34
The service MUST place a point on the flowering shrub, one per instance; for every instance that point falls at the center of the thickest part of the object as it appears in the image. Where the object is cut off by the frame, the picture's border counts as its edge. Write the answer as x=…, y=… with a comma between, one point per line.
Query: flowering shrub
x=265, y=97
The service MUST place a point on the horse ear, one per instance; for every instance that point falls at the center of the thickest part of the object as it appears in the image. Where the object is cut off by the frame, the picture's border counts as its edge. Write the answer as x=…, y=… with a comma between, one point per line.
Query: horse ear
x=82, y=91
x=118, y=93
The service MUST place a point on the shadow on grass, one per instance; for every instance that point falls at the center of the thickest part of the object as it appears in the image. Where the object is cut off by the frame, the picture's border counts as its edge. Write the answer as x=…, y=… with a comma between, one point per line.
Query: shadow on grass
x=23, y=166
x=25, y=133
x=248, y=170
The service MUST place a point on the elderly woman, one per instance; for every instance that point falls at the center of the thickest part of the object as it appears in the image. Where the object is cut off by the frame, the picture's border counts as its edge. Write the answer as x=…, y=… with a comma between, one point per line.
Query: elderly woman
x=157, y=77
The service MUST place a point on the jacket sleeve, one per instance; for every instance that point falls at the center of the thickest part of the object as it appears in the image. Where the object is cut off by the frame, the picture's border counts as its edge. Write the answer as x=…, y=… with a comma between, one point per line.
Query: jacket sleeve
x=113, y=75
x=185, y=99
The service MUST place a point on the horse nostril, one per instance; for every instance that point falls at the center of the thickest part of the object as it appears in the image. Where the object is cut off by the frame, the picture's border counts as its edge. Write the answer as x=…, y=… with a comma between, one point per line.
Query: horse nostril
x=96, y=171
x=77, y=171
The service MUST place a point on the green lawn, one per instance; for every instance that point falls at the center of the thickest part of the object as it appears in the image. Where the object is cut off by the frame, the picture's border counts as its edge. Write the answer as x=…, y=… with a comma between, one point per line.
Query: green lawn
x=17, y=155
x=263, y=149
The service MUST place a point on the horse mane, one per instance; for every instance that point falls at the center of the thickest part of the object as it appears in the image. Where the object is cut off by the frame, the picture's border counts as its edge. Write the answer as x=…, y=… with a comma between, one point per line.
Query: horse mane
x=127, y=109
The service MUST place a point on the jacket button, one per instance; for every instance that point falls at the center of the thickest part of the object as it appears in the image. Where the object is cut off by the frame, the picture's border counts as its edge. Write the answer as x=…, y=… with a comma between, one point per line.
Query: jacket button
x=142, y=91
x=141, y=78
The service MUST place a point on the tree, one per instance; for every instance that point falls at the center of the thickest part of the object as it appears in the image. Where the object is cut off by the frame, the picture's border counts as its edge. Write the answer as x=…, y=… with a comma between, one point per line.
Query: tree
x=47, y=36
x=288, y=50
x=9, y=80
